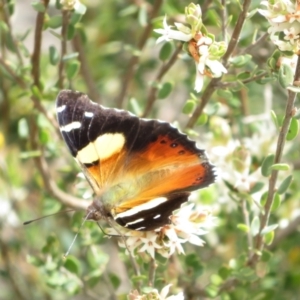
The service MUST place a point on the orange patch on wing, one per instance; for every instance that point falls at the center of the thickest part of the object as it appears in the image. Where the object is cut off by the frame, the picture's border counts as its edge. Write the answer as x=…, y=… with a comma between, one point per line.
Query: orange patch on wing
x=186, y=178
x=107, y=171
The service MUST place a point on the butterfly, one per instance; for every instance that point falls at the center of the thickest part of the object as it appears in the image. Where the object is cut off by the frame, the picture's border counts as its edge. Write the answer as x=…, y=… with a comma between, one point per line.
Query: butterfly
x=141, y=170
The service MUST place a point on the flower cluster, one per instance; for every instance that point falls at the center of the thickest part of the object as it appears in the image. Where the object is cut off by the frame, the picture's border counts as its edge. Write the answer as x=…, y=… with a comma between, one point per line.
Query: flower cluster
x=284, y=17
x=205, y=51
x=187, y=224
x=155, y=295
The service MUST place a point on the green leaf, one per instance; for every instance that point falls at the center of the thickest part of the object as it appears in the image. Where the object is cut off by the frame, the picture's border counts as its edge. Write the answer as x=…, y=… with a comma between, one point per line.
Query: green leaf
x=70, y=56
x=269, y=229
x=54, y=22
x=142, y=15
x=274, y=118
x=244, y=75
x=80, y=8
x=276, y=202
x=75, y=18
x=285, y=75
x=72, y=69
x=266, y=255
x=285, y=185
x=53, y=55
x=115, y=280
x=165, y=90
x=293, y=129
x=202, y=119
x=240, y=61
x=295, y=89
x=226, y=94
x=72, y=265
x=269, y=237
x=224, y=272
x=280, y=167
x=266, y=165
x=38, y=6
x=255, y=225
x=256, y=187
x=189, y=106
x=263, y=199
x=165, y=51
x=71, y=32
x=243, y=227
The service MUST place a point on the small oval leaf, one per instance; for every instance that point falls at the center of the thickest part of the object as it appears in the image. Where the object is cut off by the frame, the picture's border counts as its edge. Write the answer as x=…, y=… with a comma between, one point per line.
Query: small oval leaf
x=293, y=129
x=276, y=202
x=280, y=167
x=269, y=237
x=284, y=185
x=189, y=107
x=254, y=227
x=285, y=75
x=72, y=69
x=53, y=55
x=165, y=51
x=266, y=165
x=165, y=90
x=243, y=227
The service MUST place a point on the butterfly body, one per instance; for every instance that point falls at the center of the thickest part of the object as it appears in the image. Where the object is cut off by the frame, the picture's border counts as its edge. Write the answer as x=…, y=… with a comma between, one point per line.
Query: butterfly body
x=141, y=170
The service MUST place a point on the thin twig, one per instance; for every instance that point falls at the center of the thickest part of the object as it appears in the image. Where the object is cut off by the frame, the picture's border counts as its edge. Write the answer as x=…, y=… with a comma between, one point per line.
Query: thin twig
x=35, y=58
x=248, y=80
x=130, y=70
x=19, y=80
x=215, y=81
x=85, y=69
x=163, y=70
x=64, y=29
x=256, y=44
x=264, y=216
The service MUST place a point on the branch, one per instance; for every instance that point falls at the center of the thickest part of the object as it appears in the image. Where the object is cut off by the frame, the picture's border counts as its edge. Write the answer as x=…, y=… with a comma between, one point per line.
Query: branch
x=35, y=59
x=215, y=81
x=128, y=75
x=264, y=216
x=164, y=69
x=64, y=28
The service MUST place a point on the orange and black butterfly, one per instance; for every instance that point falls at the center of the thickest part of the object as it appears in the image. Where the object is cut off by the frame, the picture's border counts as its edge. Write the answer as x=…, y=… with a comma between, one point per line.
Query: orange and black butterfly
x=140, y=170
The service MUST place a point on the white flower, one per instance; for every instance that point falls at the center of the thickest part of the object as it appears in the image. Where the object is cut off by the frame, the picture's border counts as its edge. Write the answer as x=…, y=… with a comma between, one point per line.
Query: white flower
x=169, y=34
x=154, y=294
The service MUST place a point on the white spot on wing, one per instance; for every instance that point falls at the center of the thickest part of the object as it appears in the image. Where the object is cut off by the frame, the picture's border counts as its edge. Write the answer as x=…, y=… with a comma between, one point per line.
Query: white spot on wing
x=145, y=206
x=71, y=126
x=103, y=147
x=156, y=217
x=140, y=228
x=61, y=108
x=88, y=114
x=134, y=222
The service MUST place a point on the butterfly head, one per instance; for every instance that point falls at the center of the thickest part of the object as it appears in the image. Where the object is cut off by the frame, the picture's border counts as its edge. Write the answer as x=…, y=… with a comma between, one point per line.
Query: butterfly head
x=96, y=211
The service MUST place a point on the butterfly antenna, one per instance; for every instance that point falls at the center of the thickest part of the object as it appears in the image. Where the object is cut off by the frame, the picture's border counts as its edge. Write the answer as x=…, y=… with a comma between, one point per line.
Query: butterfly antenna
x=43, y=217
x=76, y=235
